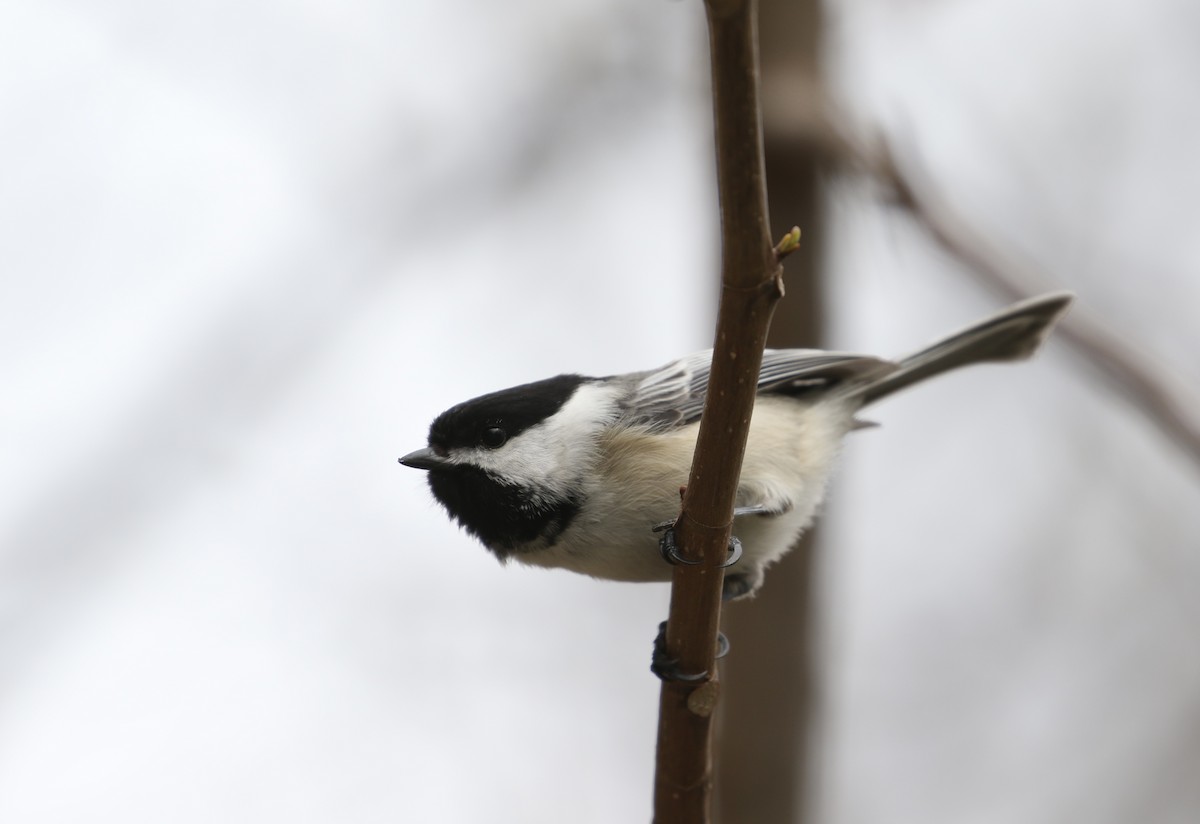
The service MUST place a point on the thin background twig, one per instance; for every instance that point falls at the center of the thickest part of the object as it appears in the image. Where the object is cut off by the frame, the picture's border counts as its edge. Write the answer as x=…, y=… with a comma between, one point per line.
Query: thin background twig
x=1166, y=402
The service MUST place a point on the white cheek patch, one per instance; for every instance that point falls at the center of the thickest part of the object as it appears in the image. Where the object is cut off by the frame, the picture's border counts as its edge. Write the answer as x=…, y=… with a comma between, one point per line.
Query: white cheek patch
x=550, y=457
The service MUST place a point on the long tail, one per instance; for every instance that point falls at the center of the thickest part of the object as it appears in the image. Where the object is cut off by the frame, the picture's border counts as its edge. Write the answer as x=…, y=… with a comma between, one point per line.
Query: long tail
x=1012, y=334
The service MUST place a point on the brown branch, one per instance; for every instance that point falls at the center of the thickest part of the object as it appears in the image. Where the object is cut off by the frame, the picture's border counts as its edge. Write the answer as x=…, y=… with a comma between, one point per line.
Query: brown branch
x=751, y=285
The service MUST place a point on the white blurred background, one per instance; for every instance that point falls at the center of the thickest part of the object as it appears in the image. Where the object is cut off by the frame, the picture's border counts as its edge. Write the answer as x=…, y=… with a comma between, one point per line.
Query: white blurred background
x=248, y=250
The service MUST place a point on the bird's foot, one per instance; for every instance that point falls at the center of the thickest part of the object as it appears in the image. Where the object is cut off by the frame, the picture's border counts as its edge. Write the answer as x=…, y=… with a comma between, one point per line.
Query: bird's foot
x=670, y=550
x=667, y=668
x=742, y=584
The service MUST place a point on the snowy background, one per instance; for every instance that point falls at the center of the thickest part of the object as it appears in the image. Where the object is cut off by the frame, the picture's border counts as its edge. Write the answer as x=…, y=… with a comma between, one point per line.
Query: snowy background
x=248, y=250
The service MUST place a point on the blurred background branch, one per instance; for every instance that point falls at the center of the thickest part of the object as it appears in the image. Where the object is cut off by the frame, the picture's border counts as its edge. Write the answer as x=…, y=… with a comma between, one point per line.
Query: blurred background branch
x=1167, y=403
x=812, y=124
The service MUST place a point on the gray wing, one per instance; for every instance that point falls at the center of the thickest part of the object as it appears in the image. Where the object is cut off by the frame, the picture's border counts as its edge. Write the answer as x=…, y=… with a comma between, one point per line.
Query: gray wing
x=674, y=395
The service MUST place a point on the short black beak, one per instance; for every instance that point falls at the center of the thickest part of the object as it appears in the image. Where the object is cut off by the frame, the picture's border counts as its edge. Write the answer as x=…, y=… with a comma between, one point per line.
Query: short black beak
x=424, y=459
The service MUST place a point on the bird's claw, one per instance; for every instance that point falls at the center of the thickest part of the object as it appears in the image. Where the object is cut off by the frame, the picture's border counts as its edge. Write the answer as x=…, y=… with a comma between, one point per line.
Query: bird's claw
x=667, y=668
x=670, y=551
x=735, y=552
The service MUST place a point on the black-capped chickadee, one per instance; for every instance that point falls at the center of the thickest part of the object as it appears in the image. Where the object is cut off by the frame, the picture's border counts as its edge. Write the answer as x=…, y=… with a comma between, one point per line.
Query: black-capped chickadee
x=574, y=472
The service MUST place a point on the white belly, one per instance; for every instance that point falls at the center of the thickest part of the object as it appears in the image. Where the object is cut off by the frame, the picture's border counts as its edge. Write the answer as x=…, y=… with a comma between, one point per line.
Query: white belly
x=790, y=454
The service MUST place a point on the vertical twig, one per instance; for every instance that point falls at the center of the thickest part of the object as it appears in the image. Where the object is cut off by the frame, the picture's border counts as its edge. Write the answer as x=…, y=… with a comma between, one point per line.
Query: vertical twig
x=751, y=285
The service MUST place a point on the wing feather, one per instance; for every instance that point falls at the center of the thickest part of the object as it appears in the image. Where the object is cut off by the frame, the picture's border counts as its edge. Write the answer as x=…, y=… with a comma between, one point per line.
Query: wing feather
x=674, y=394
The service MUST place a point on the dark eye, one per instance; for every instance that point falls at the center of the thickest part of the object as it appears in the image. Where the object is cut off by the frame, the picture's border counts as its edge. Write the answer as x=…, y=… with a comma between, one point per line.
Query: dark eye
x=493, y=437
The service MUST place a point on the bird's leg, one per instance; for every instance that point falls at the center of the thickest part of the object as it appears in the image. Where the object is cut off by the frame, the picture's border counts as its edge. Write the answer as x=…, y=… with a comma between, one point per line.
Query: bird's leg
x=667, y=668
x=661, y=662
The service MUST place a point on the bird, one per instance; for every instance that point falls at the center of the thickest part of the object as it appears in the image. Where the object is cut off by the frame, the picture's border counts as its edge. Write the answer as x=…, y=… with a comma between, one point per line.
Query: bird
x=576, y=472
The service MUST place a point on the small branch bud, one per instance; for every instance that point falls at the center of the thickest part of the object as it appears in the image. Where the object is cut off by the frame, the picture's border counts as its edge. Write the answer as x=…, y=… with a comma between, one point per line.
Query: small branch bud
x=788, y=243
